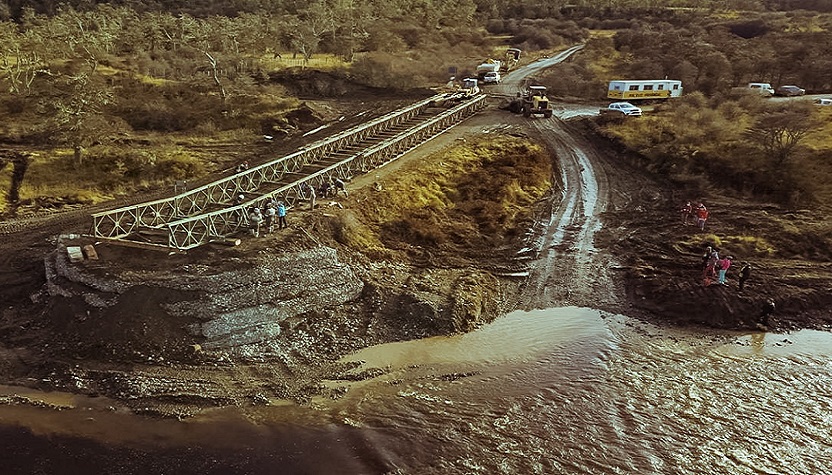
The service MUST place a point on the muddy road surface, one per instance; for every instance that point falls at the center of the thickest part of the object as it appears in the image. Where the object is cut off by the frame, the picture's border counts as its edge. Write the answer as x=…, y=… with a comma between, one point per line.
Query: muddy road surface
x=564, y=267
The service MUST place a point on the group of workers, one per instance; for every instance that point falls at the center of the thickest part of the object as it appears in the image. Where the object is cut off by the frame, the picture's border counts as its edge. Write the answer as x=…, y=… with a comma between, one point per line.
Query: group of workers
x=695, y=215
x=274, y=212
x=715, y=268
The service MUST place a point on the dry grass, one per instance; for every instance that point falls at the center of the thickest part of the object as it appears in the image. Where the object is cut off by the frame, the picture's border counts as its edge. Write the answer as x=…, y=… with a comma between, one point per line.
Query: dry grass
x=473, y=192
x=54, y=176
x=322, y=62
x=749, y=246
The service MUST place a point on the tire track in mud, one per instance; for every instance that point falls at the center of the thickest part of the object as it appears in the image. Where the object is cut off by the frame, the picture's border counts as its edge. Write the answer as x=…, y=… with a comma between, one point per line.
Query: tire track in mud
x=567, y=270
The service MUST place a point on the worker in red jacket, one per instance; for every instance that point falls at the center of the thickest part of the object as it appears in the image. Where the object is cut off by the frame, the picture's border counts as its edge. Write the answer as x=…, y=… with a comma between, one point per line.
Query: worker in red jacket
x=701, y=216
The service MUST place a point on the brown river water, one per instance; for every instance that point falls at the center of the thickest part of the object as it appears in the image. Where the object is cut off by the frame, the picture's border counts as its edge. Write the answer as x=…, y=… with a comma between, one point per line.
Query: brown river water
x=566, y=390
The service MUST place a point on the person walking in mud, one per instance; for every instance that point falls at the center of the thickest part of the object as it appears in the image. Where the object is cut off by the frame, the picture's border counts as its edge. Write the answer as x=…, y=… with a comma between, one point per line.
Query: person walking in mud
x=686, y=213
x=711, y=258
x=706, y=256
x=745, y=273
x=281, y=215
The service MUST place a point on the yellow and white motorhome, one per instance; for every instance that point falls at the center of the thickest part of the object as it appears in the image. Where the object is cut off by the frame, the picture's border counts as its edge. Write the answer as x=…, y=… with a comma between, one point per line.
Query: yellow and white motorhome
x=646, y=89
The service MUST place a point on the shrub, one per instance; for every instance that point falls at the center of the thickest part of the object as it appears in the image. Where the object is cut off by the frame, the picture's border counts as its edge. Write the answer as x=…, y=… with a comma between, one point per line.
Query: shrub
x=395, y=71
x=350, y=231
x=699, y=241
x=749, y=246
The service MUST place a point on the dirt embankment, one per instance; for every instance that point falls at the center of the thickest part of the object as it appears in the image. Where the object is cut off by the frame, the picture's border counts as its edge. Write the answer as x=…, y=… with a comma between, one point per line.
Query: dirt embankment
x=418, y=248
x=267, y=320
x=789, y=251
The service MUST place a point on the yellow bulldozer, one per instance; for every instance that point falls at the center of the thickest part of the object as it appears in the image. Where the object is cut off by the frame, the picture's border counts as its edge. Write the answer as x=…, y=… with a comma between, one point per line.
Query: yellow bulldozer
x=512, y=58
x=532, y=101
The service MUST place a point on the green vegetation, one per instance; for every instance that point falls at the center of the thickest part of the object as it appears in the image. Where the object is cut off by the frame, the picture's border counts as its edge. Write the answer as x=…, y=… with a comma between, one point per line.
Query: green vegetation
x=744, y=146
x=125, y=92
x=476, y=193
x=713, y=139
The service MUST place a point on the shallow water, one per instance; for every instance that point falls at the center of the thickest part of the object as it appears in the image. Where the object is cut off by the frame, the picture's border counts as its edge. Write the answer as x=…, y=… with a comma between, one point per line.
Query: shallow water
x=567, y=390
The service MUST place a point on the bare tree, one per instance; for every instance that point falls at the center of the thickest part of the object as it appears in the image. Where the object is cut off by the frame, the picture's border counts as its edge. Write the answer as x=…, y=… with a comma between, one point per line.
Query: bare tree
x=350, y=21
x=22, y=58
x=78, y=113
x=779, y=131
x=86, y=35
x=215, y=74
x=20, y=163
x=308, y=28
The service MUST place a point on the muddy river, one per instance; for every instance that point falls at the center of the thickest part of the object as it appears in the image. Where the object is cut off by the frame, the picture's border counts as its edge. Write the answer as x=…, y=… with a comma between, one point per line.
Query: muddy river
x=567, y=390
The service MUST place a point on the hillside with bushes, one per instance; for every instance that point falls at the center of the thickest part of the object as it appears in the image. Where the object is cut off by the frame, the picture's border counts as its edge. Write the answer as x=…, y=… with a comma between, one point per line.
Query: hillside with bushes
x=104, y=99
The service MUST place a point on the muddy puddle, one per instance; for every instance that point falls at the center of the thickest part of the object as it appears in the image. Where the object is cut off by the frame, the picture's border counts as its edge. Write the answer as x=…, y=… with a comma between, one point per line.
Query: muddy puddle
x=568, y=390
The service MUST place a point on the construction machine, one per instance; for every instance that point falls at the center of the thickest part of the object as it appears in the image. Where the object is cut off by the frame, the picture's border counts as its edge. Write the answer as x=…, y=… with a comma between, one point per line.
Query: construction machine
x=469, y=87
x=531, y=101
x=512, y=58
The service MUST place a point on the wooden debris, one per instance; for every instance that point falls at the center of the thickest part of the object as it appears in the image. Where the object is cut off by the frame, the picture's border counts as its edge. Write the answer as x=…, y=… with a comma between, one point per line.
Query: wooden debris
x=90, y=252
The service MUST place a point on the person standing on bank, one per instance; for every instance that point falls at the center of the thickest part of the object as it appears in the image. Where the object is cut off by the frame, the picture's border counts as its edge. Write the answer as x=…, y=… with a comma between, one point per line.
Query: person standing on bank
x=768, y=309
x=270, y=213
x=745, y=273
x=724, y=265
x=686, y=212
x=312, y=196
x=281, y=215
x=255, y=216
x=339, y=185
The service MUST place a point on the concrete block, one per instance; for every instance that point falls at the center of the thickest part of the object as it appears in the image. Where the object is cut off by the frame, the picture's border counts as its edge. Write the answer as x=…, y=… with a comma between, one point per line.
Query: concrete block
x=74, y=253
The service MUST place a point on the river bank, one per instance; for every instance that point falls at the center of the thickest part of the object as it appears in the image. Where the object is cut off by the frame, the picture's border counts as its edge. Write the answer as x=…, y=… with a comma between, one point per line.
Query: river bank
x=265, y=323
x=533, y=392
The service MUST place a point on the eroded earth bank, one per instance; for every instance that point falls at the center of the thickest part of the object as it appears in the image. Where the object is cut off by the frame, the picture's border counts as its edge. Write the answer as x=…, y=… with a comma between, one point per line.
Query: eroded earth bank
x=497, y=214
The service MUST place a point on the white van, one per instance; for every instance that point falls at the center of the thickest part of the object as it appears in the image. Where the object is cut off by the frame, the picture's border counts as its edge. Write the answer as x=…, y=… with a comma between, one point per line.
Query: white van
x=762, y=88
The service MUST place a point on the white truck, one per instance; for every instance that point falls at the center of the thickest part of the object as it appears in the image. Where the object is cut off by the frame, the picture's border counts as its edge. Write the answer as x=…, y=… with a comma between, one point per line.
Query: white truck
x=492, y=78
x=490, y=66
x=762, y=88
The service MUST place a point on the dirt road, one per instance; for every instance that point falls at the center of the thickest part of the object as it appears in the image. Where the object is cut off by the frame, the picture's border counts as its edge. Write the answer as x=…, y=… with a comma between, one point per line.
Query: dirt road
x=566, y=269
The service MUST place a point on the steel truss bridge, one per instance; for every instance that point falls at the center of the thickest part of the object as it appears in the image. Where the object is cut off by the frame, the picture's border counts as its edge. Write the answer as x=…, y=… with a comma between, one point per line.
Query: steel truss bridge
x=209, y=213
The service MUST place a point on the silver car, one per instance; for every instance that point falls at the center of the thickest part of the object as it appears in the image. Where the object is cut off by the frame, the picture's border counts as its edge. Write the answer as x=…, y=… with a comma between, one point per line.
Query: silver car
x=625, y=108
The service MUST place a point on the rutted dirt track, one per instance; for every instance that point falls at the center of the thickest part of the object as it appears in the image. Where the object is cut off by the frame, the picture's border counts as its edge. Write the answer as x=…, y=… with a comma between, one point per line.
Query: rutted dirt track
x=567, y=269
